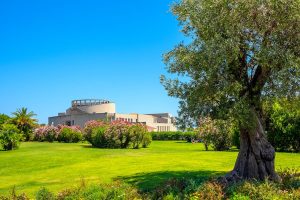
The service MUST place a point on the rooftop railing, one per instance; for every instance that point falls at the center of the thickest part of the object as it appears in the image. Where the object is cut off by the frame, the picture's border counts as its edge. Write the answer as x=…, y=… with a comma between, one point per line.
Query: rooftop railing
x=89, y=102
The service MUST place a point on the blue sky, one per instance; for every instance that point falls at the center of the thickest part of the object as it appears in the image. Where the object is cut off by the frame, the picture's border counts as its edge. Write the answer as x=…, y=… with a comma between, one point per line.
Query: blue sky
x=54, y=51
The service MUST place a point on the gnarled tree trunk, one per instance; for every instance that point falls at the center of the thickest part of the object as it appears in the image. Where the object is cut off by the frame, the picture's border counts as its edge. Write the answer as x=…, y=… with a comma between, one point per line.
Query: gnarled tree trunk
x=256, y=157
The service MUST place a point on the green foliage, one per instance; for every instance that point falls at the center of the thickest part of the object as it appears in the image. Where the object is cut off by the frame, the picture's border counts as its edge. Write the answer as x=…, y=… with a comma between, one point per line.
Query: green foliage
x=236, y=138
x=174, y=135
x=10, y=137
x=262, y=191
x=114, y=191
x=139, y=136
x=44, y=194
x=209, y=191
x=25, y=122
x=14, y=196
x=239, y=52
x=284, y=126
x=97, y=137
x=290, y=178
x=219, y=133
x=4, y=119
x=222, y=137
x=69, y=135
x=117, y=135
x=46, y=133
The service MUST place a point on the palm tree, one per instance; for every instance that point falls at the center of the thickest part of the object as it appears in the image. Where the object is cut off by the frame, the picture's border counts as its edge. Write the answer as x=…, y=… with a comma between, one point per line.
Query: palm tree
x=24, y=121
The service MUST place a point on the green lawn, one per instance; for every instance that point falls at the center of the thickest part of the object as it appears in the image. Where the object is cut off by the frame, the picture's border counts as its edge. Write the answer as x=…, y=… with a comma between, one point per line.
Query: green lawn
x=57, y=166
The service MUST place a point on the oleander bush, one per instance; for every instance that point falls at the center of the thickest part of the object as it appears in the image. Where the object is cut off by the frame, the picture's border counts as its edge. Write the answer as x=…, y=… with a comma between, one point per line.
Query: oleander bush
x=117, y=134
x=139, y=136
x=218, y=133
x=46, y=134
x=174, y=135
x=10, y=137
x=69, y=134
x=61, y=133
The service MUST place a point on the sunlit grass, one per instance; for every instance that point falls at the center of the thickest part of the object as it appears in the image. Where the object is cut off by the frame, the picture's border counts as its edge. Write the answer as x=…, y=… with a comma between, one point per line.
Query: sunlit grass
x=56, y=166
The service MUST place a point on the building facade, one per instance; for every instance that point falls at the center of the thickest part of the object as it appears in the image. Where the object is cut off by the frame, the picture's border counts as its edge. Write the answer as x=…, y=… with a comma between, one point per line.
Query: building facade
x=85, y=110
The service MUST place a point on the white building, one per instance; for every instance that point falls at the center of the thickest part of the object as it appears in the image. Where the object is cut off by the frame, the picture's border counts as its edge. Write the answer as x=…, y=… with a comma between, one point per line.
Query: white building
x=85, y=110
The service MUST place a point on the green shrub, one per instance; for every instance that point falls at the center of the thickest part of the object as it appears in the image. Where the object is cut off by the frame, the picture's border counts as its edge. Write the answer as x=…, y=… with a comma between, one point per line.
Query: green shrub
x=236, y=138
x=284, y=125
x=139, y=136
x=45, y=194
x=209, y=191
x=147, y=139
x=10, y=137
x=70, y=134
x=4, y=119
x=174, y=135
x=262, y=191
x=116, y=134
x=113, y=191
x=97, y=137
x=217, y=133
x=222, y=137
x=94, y=133
x=46, y=133
x=290, y=178
x=14, y=196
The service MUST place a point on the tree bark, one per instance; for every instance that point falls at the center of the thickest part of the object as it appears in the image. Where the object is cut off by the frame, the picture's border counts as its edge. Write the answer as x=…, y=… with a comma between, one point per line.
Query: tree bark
x=256, y=157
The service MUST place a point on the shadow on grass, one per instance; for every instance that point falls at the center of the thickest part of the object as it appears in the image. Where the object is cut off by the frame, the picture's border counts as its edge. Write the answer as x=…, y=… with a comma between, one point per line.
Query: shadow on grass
x=88, y=146
x=148, y=182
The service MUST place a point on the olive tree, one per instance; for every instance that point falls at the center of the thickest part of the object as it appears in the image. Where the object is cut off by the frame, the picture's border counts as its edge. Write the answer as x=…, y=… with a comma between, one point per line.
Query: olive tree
x=238, y=53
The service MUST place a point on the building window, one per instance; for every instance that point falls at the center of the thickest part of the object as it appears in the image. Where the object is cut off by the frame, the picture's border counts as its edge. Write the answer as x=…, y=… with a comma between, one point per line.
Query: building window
x=68, y=123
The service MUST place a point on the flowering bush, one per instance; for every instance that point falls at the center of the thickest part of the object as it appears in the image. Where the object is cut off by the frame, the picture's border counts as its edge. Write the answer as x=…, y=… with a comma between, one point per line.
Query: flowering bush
x=69, y=134
x=94, y=133
x=118, y=134
x=139, y=136
x=90, y=127
x=60, y=133
x=216, y=132
x=46, y=133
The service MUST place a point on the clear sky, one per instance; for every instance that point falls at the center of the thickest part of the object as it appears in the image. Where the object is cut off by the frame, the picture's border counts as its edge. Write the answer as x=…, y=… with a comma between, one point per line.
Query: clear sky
x=54, y=51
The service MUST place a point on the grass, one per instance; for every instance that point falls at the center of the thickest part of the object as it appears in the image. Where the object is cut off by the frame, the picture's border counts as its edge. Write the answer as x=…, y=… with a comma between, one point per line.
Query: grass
x=57, y=166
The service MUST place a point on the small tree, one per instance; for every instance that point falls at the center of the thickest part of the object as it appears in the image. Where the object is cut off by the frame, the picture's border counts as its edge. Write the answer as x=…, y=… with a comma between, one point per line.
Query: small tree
x=10, y=137
x=25, y=122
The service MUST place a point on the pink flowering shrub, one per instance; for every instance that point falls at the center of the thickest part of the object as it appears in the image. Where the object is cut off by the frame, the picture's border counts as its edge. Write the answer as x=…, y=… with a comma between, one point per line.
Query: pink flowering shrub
x=69, y=134
x=140, y=136
x=46, y=133
x=117, y=134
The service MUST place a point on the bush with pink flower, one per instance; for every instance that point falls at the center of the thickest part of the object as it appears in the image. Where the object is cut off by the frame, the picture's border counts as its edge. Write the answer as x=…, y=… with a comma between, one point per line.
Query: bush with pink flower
x=61, y=133
x=46, y=134
x=117, y=134
x=69, y=134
